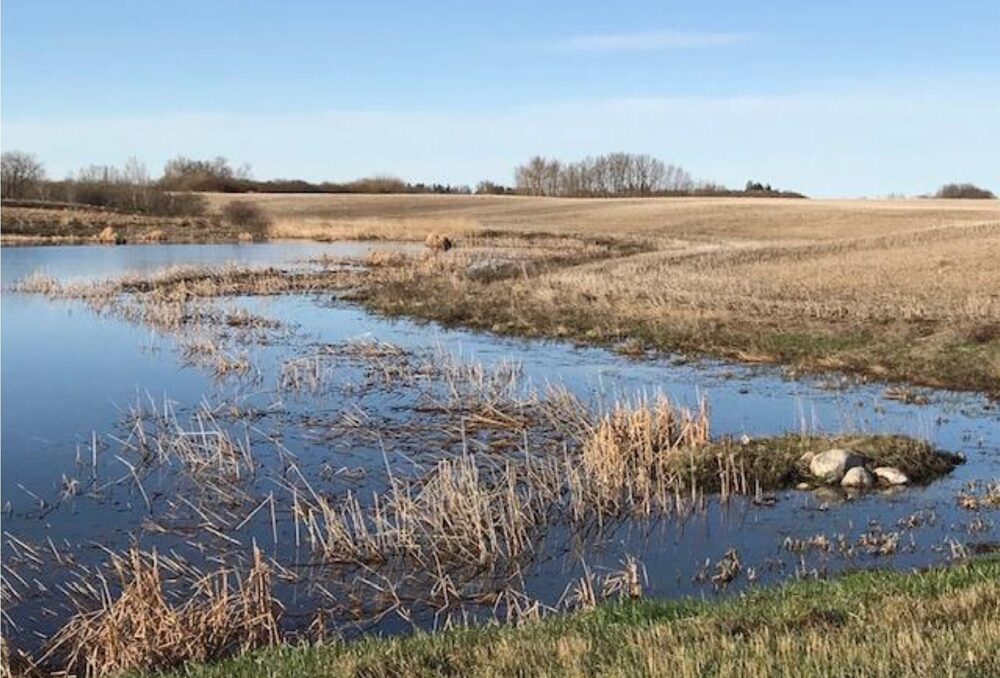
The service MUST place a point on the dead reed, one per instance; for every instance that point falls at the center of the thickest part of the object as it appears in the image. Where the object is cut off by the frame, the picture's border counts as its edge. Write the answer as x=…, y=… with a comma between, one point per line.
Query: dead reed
x=140, y=628
x=630, y=458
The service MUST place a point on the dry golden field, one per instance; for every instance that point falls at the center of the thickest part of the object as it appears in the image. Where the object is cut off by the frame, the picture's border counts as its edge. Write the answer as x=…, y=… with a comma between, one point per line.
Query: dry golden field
x=905, y=290
x=895, y=289
x=704, y=218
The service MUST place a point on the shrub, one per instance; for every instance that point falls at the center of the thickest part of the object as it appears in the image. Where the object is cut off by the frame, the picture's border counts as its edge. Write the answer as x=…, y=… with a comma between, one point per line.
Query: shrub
x=247, y=217
x=964, y=191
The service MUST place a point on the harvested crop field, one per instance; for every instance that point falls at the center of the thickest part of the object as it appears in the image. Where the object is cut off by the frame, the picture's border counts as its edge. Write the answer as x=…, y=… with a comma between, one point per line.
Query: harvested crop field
x=899, y=290
x=903, y=290
x=246, y=455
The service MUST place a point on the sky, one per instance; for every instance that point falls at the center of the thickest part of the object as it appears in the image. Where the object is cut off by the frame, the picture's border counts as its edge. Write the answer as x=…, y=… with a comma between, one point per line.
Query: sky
x=835, y=99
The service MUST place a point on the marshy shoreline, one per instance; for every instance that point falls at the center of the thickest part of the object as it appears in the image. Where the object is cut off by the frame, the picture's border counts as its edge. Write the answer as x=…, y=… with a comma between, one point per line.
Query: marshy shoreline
x=896, y=291
x=474, y=477
x=810, y=629
x=332, y=489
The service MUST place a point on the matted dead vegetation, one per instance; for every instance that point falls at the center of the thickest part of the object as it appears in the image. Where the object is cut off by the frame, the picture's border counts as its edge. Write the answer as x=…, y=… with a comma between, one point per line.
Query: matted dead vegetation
x=887, y=289
x=139, y=628
x=80, y=225
x=448, y=532
x=485, y=471
x=904, y=290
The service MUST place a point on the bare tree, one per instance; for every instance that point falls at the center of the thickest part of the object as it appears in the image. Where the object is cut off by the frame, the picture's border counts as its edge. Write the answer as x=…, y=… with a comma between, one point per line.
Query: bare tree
x=612, y=175
x=530, y=178
x=21, y=175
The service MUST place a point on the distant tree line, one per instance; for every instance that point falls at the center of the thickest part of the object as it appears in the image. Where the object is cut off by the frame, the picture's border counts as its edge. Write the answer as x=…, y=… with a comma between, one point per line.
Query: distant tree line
x=176, y=192
x=130, y=187
x=219, y=176
x=615, y=175
x=610, y=175
x=127, y=188
x=964, y=191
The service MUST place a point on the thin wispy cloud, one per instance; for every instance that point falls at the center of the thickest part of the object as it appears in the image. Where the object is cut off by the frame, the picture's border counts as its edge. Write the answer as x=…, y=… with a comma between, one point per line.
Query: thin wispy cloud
x=647, y=40
x=852, y=139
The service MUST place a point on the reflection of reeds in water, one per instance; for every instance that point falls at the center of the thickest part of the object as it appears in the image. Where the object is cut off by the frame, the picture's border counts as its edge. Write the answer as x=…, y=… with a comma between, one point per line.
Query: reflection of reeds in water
x=459, y=530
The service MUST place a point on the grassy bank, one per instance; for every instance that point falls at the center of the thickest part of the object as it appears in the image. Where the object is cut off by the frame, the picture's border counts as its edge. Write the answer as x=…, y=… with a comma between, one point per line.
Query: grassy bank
x=889, y=290
x=939, y=622
x=900, y=290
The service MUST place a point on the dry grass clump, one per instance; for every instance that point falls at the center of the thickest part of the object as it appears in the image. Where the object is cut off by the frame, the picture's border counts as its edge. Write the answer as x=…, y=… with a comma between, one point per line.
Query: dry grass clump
x=378, y=228
x=629, y=456
x=586, y=592
x=380, y=258
x=109, y=236
x=202, y=444
x=436, y=241
x=458, y=514
x=156, y=235
x=140, y=628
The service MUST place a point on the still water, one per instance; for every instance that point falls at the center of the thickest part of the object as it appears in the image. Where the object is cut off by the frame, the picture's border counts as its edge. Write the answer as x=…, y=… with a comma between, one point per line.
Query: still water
x=69, y=375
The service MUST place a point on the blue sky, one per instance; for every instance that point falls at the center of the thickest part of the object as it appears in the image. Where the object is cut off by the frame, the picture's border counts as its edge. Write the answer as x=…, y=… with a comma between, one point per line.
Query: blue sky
x=835, y=99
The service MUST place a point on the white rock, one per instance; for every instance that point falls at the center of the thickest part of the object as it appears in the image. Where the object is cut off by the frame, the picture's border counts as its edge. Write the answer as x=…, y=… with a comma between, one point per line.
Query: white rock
x=833, y=464
x=891, y=475
x=803, y=486
x=858, y=476
x=806, y=458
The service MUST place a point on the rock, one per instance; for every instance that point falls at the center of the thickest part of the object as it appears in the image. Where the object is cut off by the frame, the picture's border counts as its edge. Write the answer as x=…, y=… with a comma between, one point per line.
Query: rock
x=891, y=475
x=807, y=458
x=803, y=486
x=493, y=269
x=831, y=465
x=436, y=241
x=858, y=477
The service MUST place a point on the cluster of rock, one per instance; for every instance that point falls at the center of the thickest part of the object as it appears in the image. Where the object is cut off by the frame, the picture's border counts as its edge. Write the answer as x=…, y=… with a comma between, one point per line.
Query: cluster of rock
x=850, y=469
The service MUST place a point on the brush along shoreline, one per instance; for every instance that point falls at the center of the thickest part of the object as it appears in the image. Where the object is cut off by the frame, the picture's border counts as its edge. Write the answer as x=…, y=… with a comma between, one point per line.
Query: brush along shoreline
x=900, y=291
x=451, y=532
x=948, y=619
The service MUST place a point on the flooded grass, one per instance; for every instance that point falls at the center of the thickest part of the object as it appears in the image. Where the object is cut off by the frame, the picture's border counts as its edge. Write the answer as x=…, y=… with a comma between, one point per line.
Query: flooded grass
x=226, y=612
x=856, y=625
x=452, y=535
x=393, y=488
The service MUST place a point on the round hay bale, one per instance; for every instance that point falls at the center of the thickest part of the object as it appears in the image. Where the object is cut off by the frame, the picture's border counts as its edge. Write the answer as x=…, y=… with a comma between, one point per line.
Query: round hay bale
x=436, y=241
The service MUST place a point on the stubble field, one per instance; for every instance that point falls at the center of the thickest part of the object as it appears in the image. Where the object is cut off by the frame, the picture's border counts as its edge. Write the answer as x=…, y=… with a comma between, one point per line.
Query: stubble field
x=903, y=290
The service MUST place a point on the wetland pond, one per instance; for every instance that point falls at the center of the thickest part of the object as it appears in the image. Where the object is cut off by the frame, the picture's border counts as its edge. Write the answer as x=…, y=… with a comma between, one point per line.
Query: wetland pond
x=274, y=427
